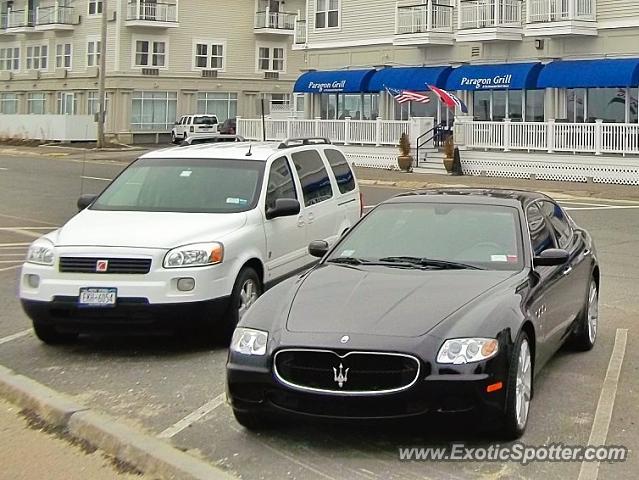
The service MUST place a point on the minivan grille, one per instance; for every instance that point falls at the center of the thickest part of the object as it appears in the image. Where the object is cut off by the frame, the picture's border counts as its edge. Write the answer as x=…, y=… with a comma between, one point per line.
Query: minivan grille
x=135, y=266
x=349, y=373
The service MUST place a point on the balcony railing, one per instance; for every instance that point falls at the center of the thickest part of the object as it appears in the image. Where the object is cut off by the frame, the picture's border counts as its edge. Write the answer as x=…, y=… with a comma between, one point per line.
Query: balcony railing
x=56, y=14
x=540, y=11
x=20, y=18
x=423, y=18
x=300, y=31
x=153, y=11
x=489, y=13
x=275, y=20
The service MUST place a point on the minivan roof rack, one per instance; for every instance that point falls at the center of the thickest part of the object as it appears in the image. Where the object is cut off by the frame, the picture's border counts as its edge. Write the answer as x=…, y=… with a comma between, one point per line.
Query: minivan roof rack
x=297, y=141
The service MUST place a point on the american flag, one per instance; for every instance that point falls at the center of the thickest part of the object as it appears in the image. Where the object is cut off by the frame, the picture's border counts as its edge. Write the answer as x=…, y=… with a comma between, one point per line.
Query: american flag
x=403, y=96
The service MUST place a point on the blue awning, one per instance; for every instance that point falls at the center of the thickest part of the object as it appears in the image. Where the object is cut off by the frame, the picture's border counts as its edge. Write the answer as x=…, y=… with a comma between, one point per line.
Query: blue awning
x=334, y=81
x=512, y=76
x=590, y=73
x=409, y=78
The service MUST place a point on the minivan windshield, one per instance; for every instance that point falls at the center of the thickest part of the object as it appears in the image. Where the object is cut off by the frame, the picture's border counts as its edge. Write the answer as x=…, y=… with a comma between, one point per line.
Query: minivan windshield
x=184, y=185
x=435, y=236
x=204, y=121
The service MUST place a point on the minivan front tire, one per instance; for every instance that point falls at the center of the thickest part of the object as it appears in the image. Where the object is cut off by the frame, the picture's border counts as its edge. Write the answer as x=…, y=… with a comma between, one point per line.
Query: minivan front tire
x=51, y=336
x=246, y=290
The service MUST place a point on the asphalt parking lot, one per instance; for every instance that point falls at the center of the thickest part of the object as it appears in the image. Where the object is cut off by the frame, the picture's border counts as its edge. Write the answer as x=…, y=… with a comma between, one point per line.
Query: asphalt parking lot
x=174, y=387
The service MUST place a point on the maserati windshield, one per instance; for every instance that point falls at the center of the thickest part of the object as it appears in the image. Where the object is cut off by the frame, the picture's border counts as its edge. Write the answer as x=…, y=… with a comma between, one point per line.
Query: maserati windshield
x=435, y=236
x=185, y=185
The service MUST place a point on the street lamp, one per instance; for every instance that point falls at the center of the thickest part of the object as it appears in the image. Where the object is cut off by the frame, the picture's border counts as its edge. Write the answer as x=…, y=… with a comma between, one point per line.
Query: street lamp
x=102, y=78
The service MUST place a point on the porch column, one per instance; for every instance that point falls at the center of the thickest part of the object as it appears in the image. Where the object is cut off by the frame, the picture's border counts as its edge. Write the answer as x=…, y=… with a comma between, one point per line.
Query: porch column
x=550, y=101
x=308, y=106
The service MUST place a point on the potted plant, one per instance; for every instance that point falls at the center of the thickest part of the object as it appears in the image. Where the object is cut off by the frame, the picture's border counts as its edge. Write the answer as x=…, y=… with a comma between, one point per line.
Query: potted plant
x=449, y=154
x=405, y=160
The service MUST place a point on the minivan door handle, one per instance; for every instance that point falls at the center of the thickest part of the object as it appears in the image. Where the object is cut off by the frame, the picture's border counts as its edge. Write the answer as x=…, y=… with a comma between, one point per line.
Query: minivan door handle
x=300, y=221
x=311, y=217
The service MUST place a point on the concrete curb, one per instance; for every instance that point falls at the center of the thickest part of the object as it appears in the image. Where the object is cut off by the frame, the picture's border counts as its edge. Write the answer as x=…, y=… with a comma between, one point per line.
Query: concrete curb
x=145, y=452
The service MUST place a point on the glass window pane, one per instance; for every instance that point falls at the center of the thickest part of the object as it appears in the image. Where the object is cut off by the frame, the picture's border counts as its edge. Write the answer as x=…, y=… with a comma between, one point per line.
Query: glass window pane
x=515, y=104
x=313, y=176
x=333, y=19
x=320, y=20
x=535, y=105
x=341, y=170
x=540, y=235
x=499, y=105
x=607, y=104
x=280, y=183
x=481, y=106
x=634, y=105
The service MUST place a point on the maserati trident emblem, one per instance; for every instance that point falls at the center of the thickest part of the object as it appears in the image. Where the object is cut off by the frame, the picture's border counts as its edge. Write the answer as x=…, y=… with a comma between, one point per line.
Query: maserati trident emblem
x=101, y=266
x=341, y=375
x=345, y=339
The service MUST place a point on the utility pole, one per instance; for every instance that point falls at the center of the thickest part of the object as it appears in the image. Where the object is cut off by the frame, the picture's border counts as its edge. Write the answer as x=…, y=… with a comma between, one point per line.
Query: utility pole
x=102, y=78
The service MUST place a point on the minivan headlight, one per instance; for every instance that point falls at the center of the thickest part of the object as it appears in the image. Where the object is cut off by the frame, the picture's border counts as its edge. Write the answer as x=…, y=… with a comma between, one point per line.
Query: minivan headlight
x=195, y=255
x=41, y=253
x=249, y=341
x=459, y=351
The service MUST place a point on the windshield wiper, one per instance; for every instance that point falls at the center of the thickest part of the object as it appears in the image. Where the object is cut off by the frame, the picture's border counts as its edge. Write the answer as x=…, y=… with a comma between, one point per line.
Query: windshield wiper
x=347, y=260
x=430, y=262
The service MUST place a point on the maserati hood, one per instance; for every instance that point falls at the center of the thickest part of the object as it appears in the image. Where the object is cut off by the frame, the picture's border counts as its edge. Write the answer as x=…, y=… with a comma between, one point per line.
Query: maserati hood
x=146, y=229
x=382, y=300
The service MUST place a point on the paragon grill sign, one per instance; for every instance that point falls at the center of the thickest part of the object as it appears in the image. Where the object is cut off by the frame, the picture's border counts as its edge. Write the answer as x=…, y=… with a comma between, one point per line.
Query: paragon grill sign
x=481, y=83
x=328, y=87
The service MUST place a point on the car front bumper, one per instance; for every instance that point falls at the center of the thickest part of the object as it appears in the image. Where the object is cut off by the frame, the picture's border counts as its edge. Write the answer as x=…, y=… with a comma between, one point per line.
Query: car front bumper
x=256, y=389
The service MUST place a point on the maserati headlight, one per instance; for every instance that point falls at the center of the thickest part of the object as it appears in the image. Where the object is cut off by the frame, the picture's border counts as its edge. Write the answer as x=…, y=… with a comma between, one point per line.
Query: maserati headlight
x=195, y=255
x=459, y=351
x=41, y=252
x=249, y=341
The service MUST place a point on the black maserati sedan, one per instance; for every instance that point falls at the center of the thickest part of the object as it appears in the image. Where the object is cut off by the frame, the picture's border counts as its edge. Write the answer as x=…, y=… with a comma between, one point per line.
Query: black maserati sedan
x=436, y=301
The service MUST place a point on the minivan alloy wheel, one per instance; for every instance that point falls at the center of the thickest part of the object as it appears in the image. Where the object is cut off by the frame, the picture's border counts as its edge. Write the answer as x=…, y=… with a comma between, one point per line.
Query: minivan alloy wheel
x=248, y=296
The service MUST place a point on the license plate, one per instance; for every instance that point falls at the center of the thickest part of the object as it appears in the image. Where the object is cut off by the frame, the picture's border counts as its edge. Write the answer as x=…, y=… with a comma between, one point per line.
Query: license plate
x=98, y=297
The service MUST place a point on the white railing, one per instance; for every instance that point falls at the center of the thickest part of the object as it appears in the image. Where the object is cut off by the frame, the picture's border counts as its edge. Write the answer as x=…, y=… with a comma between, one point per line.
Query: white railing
x=489, y=13
x=275, y=20
x=357, y=132
x=560, y=10
x=300, y=31
x=152, y=11
x=20, y=18
x=551, y=136
x=56, y=14
x=429, y=17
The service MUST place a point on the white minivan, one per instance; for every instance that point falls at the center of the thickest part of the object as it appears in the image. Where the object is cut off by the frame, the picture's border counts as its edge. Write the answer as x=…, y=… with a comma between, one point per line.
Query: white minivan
x=188, y=235
x=188, y=125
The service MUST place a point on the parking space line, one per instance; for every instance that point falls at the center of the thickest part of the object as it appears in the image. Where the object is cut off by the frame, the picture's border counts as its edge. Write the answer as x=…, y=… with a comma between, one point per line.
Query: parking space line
x=28, y=219
x=605, y=406
x=11, y=246
x=15, y=336
x=26, y=228
x=6, y=269
x=193, y=417
x=608, y=207
x=26, y=233
x=97, y=178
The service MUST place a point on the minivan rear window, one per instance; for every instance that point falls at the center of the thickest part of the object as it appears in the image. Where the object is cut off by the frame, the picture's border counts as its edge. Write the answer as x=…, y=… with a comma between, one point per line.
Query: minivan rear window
x=204, y=121
x=316, y=185
x=341, y=170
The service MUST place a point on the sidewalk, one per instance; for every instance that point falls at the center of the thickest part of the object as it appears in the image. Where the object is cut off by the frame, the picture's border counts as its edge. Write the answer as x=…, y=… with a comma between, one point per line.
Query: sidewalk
x=413, y=181
x=29, y=453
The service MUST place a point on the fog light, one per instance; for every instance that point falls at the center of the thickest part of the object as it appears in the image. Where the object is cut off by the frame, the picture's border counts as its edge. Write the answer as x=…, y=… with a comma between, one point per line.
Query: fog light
x=185, y=284
x=33, y=280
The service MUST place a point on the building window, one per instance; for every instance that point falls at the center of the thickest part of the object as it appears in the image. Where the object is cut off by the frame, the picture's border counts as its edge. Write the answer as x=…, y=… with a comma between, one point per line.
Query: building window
x=607, y=104
x=37, y=56
x=9, y=103
x=153, y=111
x=95, y=7
x=10, y=59
x=575, y=105
x=66, y=103
x=271, y=59
x=497, y=105
x=93, y=104
x=209, y=56
x=535, y=105
x=63, y=55
x=221, y=104
x=36, y=103
x=150, y=53
x=327, y=14
x=93, y=53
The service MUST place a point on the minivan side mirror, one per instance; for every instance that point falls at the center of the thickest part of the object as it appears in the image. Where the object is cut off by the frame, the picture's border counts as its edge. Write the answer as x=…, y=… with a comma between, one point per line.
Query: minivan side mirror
x=318, y=248
x=284, y=207
x=85, y=200
x=551, y=258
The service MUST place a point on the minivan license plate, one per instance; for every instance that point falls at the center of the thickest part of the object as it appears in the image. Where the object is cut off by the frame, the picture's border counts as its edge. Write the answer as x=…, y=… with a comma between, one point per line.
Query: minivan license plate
x=98, y=297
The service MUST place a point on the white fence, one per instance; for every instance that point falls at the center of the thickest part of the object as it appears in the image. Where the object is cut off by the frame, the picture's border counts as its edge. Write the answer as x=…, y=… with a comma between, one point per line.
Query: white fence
x=557, y=10
x=429, y=17
x=349, y=132
x=489, y=13
x=598, y=138
x=49, y=127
